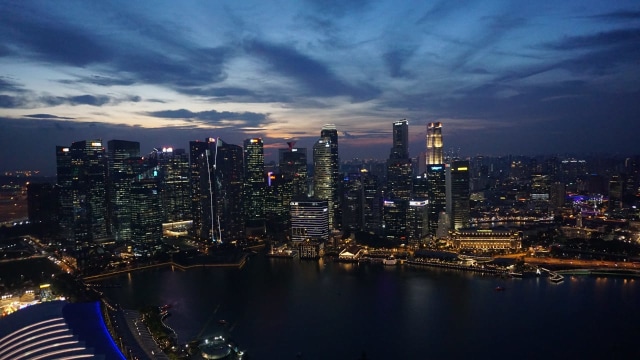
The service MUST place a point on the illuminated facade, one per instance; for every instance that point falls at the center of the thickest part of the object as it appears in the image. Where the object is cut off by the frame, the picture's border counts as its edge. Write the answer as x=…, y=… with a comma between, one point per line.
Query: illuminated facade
x=434, y=144
x=458, y=194
x=394, y=217
x=146, y=212
x=326, y=179
x=487, y=239
x=120, y=178
x=309, y=220
x=173, y=167
x=254, y=187
x=437, y=194
x=82, y=177
x=417, y=221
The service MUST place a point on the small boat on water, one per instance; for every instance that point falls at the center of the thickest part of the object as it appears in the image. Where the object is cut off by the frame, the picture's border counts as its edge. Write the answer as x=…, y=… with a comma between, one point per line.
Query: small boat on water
x=500, y=288
x=391, y=260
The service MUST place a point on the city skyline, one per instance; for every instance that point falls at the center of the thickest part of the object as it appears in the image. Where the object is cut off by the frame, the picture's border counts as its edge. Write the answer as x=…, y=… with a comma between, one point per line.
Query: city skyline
x=504, y=78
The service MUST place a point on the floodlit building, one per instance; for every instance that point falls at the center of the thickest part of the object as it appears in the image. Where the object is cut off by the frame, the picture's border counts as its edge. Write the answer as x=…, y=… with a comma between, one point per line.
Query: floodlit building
x=434, y=144
x=309, y=220
x=487, y=239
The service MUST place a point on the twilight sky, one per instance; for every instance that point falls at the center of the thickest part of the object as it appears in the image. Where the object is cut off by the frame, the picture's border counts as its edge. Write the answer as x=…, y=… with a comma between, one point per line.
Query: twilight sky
x=518, y=77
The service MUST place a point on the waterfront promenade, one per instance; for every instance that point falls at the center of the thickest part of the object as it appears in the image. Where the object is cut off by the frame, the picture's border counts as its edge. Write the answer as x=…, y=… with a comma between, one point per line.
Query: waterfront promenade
x=175, y=265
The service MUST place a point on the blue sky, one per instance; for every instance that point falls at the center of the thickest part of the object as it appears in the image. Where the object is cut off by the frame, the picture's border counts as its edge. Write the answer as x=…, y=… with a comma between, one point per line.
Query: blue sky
x=504, y=77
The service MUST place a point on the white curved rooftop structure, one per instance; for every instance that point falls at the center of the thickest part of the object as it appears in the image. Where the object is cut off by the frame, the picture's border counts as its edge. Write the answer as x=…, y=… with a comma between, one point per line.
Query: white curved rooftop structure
x=57, y=330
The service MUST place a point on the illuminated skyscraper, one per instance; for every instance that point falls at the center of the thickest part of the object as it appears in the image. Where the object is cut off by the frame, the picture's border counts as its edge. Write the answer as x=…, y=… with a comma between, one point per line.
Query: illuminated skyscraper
x=82, y=175
x=254, y=187
x=146, y=212
x=434, y=144
x=326, y=180
x=120, y=178
x=458, y=192
x=293, y=166
x=217, y=181
x=229, y=184
x=400, y=147
x=395, y=219
x=173, y=168
x=437, y=194
x=200, y=166
x=399, y=167
x=417, y=221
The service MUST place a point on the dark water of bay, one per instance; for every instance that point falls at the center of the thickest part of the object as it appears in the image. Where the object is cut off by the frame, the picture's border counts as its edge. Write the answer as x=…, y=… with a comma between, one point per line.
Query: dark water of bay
x=290, y=309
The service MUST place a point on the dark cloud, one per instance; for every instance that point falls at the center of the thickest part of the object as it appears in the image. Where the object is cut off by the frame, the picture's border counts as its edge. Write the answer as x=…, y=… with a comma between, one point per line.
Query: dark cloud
x=340, y=8
x=618, y=15
x=47, y=116
x=316, y=78
x=75, y=100
x=11, y=102
x=153, y=53
x=237, y=94
x=396, y=60
x=88, y=100
x=214, y=117
x=123, y=80
x=50, y=40
x=10, y=86
x=618, y=37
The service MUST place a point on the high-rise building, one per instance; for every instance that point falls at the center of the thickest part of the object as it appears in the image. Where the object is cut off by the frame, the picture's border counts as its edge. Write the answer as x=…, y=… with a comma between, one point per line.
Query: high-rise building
x=420, y=187
x=229, y=184
x=353, y=202
x=121, y=175
x=372, y=202
x=434, y=144
x=43, y=209
x=175, y=198
x=417, y=222
x=458, y=192
x=277, y=200
x=326, y=180
x=437, y=194
x=293, y=166
x=146, y=211
x=201, y=186
x=254, y=187
x=399, y=166
x=395, y=220
x=217, y=182
x=82, y=174
x=400, y=147
x=309, y=220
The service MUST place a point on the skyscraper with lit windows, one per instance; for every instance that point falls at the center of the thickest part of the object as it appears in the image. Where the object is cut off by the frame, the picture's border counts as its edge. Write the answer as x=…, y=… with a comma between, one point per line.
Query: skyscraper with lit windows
x=326, y=180
x=254, y=187
x=119, y=189
x=458, y=194
x=173, y=168
x=399, y=167
x=434, y=144
x=437, y=194
x=292, y=163
x=201, y=185
x=82, y=177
